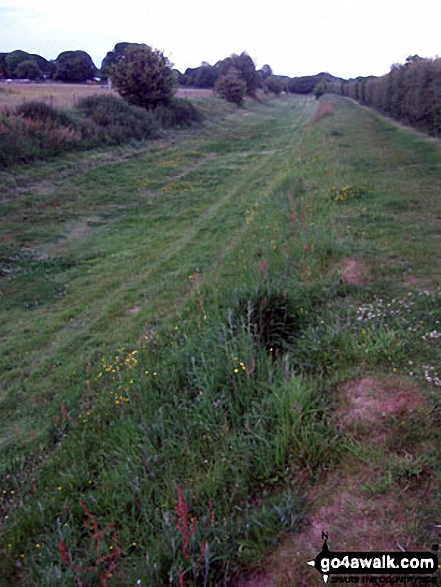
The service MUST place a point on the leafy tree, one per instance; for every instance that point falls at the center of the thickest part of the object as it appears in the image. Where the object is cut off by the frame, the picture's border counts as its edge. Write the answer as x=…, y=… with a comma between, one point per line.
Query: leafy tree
x=112, y=58
x=319, y=90
x=13, y=60
x=3, y=64
x=266, y=71
x=143, y=77
x=29, y=70
x=204, y=76
x=47, y=67
x=74, y=67
x=246, y=68
x=231, y=86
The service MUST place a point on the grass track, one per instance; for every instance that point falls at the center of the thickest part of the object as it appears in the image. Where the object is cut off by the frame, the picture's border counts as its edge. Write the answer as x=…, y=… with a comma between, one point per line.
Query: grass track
x=127, y=370
x=148, y=233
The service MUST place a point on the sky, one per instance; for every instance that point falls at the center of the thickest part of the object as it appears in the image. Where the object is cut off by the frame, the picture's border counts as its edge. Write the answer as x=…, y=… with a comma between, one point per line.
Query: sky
x=346, y=38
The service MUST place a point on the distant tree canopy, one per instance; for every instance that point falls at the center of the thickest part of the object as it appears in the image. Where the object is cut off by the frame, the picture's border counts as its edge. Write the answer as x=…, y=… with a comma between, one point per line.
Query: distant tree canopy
x=112, y=58
x=13, y=60
x=274, y=84
x=143, y=76
x=204, y=76
x=29, y=70
x=74, y=67
x=3, y=64
x=265, y=72
x=47, y=68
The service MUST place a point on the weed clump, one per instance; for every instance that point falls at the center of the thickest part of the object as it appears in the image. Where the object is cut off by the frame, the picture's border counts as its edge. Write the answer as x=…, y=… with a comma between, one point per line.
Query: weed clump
x=274, y=317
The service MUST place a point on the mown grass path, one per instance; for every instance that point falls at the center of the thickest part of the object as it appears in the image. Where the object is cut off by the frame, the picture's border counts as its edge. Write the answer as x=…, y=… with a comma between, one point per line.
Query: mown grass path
x=86, y=249
x=185, y=328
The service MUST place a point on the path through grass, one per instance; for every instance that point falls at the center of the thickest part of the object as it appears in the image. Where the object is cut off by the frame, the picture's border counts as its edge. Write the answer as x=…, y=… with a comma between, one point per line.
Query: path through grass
x=178, y=321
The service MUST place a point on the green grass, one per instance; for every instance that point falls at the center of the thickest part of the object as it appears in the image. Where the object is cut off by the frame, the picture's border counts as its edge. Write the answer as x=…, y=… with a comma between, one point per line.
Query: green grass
x=174, y=320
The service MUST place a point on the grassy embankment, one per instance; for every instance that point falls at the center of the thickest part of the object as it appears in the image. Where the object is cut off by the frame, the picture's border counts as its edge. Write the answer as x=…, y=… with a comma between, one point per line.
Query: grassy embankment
x=175, y=320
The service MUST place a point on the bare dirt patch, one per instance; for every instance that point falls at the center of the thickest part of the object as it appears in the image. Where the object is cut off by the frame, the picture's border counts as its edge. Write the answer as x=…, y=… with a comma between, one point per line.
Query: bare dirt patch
x=356, y=517
x=354, y=271
x=369, y=403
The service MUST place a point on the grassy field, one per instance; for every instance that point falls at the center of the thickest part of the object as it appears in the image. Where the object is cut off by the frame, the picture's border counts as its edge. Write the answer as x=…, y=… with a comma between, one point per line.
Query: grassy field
x=205, y=338
x=65, y=95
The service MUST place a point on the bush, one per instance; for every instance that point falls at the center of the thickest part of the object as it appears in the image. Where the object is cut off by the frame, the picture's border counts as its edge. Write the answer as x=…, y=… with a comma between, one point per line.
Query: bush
x=23, y=140
x=37, y=130
x=42, y=112
x=178, y=114
x=274, y=84
x=232, y=87
x=144, y=77
x=119, y=121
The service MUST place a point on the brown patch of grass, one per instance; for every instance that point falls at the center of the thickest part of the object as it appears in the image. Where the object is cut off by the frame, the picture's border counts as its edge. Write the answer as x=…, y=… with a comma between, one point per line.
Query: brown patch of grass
x=369, y=403
x=324, y=109
x=354, y=271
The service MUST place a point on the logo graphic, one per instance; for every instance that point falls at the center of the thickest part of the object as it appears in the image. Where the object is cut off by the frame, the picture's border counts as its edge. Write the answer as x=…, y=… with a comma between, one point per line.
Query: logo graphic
x=324, y=552
x=372, y=563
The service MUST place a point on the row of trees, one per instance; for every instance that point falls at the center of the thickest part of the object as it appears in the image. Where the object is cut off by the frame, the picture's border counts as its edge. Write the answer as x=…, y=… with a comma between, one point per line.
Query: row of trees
x=144, y=76
x=410, y=92
x=69, y=66
x=78, y=67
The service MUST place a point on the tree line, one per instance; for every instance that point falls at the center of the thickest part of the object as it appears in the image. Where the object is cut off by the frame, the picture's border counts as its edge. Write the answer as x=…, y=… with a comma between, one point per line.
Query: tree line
x=69, y=66
x=410, y=93
x=78, y=67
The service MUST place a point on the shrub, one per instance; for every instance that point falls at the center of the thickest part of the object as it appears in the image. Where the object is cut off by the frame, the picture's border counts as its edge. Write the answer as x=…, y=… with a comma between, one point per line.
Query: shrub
x=119, y=120
x=37, y=130
x=144, y=77
x=319, y=90
x=23, y=140
x=273, y=84
x=42, y=112
x=178, y=114
x=232, y=87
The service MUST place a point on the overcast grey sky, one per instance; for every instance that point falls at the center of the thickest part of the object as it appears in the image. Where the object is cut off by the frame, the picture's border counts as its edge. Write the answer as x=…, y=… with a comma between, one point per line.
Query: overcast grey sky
x=295, y=37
